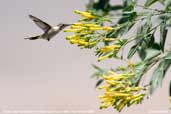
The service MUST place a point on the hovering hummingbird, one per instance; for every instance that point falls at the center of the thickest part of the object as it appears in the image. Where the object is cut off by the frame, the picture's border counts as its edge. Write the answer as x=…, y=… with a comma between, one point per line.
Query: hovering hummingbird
x=49, y=31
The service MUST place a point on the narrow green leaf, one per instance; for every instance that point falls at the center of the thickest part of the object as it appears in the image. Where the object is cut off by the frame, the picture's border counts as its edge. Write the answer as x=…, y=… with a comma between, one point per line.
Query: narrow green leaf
x=99, y=72
x=98, y=83
x=141, y=68
x=163, y=34
x=142, y=52
x=116, y=7
x=128, y=3
x=167, y=4
x=139, y=71
x=97, y=68
x=159, y=74
x=132, y=51
x=151, y=53
x=146, y=38
x=150, y=2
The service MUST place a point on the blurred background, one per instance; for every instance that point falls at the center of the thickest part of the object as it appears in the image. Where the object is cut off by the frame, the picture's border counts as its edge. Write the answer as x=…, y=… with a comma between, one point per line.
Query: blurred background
x=53, y=76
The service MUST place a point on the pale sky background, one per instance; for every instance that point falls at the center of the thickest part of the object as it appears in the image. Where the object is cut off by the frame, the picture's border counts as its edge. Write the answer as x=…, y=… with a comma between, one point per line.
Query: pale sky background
x=41, y=75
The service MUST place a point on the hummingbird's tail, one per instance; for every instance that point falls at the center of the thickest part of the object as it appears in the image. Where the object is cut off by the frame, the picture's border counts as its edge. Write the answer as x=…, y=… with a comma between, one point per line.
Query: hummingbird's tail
x=33, y=38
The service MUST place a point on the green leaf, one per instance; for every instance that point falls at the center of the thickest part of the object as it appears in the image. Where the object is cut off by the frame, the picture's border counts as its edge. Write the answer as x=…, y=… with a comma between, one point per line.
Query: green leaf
x=126, y=26
x=167, y=56
x=151, y=53
x=159, y=73
x=116, y=7
x=141, y=52
x=128, y=3
x=132, y=51
x=99, y=71
x=167, y=4
x=145, y=38
x=128, y=16
x=156, y=46
x=127, y=20
x=100, y=7
x=163, y=34
x=141, y=68
x=139, y=71
x=150, y=2
x=97, y=68
x=98, y=83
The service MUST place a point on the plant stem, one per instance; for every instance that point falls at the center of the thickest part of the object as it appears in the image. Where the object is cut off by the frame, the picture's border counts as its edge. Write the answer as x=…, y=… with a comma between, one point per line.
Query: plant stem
x=156, y=10
x=149, y=8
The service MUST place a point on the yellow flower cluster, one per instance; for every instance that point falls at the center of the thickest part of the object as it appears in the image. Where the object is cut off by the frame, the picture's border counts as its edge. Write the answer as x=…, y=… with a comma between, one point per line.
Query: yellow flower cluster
x=80, y=37
x=112, y=48
x=87, y=27
x=76, y=39
x=86, y=33
x=119, y=91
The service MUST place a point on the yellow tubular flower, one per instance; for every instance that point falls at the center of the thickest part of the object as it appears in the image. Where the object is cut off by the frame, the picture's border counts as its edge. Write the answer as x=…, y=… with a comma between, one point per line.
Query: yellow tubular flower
x=73, y=41
x=78, y=24
x=110, y=48
x=114, y=77
x=102, y=96
x=107, y=100
x=112, y=72
x=105, y=57
x=102, y=58
x=82, y=42
x=104, y=87
x=85, y=14
x=137, y=99
x=91, y=25
x=77, y=27
x=136, y=88
x=72, y=30
x=118, y=94
x=111, y=82
x=87, y=24
x=95, y=28
x=105, y=105
x=93, y=43
x=85, y=33
x=88, y=15
x=109, y=39
x=108, y=28
x=72, y=37
x=135, y=96
x=121, y=105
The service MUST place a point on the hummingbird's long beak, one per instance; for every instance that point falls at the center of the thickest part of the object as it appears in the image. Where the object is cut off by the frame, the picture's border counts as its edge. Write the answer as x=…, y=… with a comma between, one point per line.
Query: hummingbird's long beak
x=68, y=24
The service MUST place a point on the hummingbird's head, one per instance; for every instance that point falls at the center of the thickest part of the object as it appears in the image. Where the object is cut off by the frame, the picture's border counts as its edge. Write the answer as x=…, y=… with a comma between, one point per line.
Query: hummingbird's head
x=62, y=25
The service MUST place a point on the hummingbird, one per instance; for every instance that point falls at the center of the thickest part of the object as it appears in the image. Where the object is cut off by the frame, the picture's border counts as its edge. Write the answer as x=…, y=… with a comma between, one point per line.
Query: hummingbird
x=49, y=31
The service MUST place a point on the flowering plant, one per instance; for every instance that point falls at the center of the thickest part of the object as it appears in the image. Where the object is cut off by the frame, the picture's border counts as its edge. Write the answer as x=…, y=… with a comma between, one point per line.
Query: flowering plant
x=104, y=28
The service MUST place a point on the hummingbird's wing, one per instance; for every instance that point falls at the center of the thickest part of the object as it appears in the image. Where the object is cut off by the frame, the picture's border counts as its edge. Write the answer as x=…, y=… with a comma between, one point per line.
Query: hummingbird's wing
x=43, y=25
